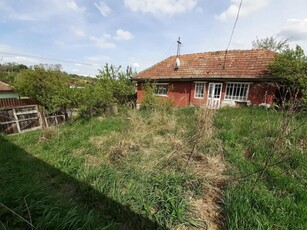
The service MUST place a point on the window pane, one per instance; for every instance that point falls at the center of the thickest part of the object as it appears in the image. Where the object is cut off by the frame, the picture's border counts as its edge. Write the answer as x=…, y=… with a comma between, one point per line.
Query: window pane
x=236, y=91
x=199, y=90
x=161, y=90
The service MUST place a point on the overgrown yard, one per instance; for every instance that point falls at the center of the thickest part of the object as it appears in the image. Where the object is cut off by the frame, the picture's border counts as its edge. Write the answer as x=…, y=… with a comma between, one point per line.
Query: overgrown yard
x=267, y=151
x=174, y=169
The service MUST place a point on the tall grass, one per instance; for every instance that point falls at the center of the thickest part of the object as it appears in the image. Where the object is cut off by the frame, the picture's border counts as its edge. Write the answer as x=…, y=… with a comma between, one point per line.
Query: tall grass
x=133, y=171
x=268, y=158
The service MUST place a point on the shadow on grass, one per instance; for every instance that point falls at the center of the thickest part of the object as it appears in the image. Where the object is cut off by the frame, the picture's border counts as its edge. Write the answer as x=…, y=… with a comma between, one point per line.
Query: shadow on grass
x=50, y=199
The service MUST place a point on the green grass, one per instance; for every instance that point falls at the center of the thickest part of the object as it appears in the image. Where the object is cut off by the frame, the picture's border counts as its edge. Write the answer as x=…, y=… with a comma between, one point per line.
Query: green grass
x=67, y=178
x=277, y=199
x=131, y=172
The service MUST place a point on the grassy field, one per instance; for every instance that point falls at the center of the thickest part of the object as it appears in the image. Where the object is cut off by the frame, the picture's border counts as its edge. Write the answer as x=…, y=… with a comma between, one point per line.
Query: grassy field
x=176, y=169
x=267, y=152
x=125, y=172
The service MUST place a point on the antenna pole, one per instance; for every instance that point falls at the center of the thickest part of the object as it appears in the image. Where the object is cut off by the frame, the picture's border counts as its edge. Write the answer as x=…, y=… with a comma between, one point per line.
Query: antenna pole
x=178, y=46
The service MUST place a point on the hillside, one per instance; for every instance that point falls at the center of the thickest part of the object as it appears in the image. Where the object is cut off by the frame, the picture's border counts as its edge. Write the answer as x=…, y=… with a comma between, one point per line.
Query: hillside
x=173, y=169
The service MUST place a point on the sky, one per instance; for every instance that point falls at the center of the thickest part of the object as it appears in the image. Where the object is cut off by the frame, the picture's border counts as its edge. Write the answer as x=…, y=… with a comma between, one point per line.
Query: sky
x=83, y=35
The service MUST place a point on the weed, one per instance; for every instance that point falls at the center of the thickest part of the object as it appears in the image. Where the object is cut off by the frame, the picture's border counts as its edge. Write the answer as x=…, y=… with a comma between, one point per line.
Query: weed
x=263, y=147
x=103, y=172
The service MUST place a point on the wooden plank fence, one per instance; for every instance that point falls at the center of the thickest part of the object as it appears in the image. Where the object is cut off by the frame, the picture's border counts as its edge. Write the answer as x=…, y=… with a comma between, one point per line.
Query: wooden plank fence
x=17, y=116
x=19, y=119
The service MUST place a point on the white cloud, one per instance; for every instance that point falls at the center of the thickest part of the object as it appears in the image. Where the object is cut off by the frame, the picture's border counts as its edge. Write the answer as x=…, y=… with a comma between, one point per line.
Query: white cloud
x=8, y=12
x=123, y=35
x=136, y=64
x=20, y=59
x=78, y=32
x=103, y=8
x=295, y=29
x=6, y=48
x=102, y=41
x=156, y=7
x=71, y=4
x=248, y=7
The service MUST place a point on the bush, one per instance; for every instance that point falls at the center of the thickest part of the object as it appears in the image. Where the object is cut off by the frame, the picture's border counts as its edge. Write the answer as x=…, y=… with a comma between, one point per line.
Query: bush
x=151, y=101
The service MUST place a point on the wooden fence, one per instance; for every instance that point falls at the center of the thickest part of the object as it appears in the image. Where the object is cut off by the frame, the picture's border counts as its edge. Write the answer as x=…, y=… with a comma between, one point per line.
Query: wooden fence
x=18, y=119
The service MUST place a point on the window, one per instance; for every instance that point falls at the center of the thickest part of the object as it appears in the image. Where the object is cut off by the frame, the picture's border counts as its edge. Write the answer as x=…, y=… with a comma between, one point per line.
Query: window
x=199, y=89
x=237, y=91
x=161, y=90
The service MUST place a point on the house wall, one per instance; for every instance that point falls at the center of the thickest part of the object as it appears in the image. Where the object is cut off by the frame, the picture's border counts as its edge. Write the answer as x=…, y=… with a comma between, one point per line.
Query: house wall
x=261, y=93
x=178, y=93
x=182, y=94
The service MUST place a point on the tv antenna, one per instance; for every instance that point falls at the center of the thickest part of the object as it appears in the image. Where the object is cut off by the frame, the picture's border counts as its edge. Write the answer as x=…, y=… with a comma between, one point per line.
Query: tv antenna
x=177, y=64
x=178, y=46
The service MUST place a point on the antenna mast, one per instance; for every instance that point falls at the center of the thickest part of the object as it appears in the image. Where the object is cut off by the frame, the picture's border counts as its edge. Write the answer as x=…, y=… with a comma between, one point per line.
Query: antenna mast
x=178, y=46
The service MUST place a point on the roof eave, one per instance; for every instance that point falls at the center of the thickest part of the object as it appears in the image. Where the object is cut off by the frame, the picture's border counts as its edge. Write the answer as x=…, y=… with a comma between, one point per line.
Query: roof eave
x=163, y=79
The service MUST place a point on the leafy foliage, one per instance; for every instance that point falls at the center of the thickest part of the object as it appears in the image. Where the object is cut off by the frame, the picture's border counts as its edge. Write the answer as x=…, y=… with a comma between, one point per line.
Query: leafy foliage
x=151, y=100
x=9, y=71
x=271, y=43
x=111, y=86
x=49, y=86
x=291, y=67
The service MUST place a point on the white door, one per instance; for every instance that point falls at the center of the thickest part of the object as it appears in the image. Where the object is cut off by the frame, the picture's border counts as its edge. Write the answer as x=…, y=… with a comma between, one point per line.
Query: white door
x=214, y=95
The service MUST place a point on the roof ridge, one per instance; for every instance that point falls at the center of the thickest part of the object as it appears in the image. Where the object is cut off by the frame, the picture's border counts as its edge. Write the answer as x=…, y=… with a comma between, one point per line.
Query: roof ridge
x=220, y=51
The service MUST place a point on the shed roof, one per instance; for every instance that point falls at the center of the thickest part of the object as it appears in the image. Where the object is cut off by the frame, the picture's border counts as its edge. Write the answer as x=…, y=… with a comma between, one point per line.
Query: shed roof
x=5, y=87
x=235, y=64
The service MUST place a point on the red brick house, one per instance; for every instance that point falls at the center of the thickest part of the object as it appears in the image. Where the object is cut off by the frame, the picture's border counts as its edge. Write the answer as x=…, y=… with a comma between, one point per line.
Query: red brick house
x=212, y=79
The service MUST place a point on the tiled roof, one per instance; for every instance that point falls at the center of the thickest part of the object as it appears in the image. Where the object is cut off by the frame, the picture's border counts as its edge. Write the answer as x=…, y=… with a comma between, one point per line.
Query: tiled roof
x=237, y=64
x=5, y=87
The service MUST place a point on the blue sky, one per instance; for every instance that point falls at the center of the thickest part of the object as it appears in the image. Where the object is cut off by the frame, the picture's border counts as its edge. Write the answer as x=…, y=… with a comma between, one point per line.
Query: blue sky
x=83, y=35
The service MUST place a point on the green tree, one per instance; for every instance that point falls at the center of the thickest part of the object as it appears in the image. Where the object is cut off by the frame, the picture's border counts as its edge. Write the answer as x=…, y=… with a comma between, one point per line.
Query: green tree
x=9, y=71
x=49, y=86
x=290, y=67
x=111, y=87
x=271, y=43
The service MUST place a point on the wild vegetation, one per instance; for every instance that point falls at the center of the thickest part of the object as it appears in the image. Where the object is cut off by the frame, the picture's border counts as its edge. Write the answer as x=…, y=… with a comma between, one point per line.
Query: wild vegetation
x=290, y=70
x=159, y=169
x=267, y=154
x=290, y=67
x=147, y=164
x=59, y=92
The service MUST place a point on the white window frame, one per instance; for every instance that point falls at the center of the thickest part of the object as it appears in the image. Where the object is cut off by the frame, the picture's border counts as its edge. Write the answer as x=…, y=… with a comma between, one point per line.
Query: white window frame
x=196, y=94
x=233, y=97
x=157, y=93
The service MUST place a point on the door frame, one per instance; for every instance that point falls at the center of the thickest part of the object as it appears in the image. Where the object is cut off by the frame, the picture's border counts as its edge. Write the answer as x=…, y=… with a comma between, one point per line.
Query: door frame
x=214, y=103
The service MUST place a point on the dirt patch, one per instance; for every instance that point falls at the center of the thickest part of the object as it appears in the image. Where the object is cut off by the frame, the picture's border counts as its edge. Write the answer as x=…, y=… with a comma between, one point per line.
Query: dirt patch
x=209, y=206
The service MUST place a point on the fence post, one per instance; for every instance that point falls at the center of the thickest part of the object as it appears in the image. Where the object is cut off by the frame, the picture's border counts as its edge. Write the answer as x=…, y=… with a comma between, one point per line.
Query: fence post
x=17, y=122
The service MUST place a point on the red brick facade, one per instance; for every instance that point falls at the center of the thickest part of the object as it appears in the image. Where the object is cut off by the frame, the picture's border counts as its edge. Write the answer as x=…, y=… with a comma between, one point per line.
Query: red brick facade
x=182, y=94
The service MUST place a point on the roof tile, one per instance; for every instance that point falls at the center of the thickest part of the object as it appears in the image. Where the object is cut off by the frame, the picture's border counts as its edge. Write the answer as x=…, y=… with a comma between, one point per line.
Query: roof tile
x=237, y=64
